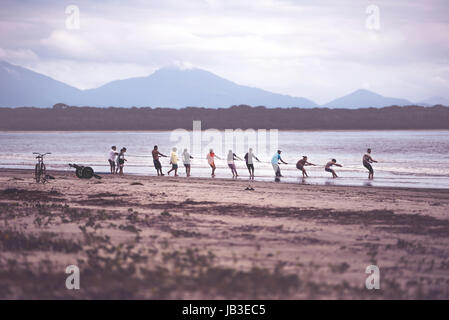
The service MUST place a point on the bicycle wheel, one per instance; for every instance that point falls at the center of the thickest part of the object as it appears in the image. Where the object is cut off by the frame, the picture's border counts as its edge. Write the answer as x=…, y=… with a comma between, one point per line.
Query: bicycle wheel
x=37, y=172
x=43, y=173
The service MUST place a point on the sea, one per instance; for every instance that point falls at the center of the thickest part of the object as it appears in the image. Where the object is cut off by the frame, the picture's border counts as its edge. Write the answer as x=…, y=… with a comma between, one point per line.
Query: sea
x=410, y=159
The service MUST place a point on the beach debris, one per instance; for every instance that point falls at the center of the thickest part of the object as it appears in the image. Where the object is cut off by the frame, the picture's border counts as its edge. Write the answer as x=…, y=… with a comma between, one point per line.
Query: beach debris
x=83, y=172
x=249, y=188
x=165, y=213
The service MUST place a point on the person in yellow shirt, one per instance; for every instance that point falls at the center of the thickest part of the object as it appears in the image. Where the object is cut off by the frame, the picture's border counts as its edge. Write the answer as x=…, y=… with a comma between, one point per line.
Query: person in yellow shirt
x=174, y=162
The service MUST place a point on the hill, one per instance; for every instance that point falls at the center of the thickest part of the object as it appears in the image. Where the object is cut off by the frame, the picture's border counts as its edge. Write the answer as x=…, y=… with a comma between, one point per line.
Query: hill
x=366, y=99
x=62, y=117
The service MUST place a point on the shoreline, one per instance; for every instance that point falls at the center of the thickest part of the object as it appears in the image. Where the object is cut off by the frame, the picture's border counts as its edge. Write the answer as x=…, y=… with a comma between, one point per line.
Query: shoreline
x=169, y=130
x=240, y=180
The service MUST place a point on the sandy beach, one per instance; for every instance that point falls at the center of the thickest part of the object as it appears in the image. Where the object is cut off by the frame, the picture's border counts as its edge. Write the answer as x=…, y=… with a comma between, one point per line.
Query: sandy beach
x=190, y=238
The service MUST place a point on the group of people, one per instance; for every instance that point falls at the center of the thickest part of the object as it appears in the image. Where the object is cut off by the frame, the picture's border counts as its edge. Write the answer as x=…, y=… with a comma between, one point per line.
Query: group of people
x=117, y=162
x=186, y=158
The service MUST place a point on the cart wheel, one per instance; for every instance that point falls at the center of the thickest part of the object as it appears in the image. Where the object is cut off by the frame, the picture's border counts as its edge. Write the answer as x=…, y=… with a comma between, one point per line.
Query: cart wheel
x=88, y=172
x=79, y=172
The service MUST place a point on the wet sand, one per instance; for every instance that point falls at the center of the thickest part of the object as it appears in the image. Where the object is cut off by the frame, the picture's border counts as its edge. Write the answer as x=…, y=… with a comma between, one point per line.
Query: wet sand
x=190, y=238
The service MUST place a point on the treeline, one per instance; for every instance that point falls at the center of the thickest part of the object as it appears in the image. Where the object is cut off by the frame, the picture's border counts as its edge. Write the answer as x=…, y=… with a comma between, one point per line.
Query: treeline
x=62, y=117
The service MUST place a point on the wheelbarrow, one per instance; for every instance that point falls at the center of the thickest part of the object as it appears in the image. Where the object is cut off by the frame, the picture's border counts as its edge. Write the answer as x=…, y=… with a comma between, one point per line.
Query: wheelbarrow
x=83, y=172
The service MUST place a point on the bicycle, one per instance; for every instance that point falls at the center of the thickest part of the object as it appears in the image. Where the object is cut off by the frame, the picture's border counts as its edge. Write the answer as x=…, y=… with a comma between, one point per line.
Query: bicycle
x=40, y=171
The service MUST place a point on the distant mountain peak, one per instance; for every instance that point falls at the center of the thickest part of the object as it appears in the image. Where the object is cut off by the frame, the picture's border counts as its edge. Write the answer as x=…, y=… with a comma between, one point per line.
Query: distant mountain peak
x=435, y=100
x=363, y=98
x=365, y=91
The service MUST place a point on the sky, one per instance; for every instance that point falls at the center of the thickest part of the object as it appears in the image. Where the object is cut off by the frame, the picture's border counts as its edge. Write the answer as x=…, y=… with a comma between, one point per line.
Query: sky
x=318, y=49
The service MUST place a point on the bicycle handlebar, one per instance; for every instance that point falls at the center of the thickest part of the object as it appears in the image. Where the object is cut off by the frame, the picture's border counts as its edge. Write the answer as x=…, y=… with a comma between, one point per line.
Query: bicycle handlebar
x=41, y=154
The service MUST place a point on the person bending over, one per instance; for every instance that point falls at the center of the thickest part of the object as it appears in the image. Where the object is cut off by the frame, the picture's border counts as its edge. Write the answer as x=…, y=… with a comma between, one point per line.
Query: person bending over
x=328, y=168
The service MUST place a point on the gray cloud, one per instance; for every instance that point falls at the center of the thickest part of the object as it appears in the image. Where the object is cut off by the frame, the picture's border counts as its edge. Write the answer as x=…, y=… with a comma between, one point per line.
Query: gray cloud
x=317, y=49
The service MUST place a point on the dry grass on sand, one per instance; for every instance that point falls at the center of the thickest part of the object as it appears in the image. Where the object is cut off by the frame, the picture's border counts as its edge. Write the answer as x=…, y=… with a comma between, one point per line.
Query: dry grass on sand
x=168, y=238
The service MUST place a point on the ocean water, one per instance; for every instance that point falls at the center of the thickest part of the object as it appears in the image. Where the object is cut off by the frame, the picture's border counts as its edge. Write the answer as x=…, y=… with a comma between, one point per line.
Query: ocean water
x=416, y=159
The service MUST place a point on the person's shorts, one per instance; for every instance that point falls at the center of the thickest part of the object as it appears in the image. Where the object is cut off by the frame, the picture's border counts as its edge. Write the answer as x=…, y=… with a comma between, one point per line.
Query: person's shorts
x=187, y=165
x=300, y=167
x=250, y=166
x=111, y=163
x=157, y=164
x=368, y=166
x=328, y=170
x=231, y=165
x=174, y=166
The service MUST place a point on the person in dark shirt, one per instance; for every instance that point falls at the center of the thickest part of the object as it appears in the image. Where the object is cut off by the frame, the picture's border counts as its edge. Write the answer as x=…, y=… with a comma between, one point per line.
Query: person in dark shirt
x=157, y=164
x=367, y=160
x=121, y=160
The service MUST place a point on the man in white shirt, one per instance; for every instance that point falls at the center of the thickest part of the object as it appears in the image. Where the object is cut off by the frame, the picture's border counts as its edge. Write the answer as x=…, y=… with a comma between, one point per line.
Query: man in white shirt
x=249, y=162
x=186, y=160
x=112, y=157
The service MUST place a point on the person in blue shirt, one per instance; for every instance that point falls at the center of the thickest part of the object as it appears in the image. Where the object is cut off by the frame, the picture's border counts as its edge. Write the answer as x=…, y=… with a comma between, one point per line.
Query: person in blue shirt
x=275, y=163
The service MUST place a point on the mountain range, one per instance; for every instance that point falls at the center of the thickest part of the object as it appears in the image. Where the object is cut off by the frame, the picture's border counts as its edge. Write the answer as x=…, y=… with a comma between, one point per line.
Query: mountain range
x=170, y=87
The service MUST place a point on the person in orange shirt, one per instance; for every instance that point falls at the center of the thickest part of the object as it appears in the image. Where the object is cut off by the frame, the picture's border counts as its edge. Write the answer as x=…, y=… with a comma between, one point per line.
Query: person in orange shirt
x=211, y=160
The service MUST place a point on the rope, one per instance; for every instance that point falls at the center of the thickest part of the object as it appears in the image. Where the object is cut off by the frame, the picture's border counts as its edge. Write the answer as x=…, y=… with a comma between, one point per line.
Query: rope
x=290, y=164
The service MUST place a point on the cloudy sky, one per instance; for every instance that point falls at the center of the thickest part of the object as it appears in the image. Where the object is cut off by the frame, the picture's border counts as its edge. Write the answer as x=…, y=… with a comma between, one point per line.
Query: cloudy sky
x=318, y=49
